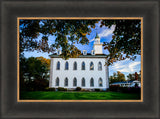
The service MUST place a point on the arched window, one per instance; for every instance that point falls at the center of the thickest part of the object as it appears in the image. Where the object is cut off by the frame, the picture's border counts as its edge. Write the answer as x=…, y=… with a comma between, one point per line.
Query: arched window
x=66, y=82
x=57, y=81
x=74, y=82
x=58, y=65
x=75, y=66
x=83, y=82
x=100, y=82
x=99, y=66
x=91, y=82
x=66, y=66
x=83, y=66
x=91, y=66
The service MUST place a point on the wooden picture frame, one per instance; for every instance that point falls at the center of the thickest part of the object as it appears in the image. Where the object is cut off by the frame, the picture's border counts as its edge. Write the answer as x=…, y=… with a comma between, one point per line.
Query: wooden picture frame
x=78, y=18
x=11, y=10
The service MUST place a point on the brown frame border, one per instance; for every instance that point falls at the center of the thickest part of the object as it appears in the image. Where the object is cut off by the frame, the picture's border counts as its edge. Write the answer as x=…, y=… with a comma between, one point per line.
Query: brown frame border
x=11, y=9
x=133, y=18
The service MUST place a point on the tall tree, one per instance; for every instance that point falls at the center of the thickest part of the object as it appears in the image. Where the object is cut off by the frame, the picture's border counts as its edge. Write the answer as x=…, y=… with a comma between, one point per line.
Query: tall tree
x=130, y=77
x=34, y=73
x=120, y=76
x=36, y=68
x=23, y=69
x=117, y=77
x=67, y=32
x=125, y=42
x=134, y=76
x=46, y=63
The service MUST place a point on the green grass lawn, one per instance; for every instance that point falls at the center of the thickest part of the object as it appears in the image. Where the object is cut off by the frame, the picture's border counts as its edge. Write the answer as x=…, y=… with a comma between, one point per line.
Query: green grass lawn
x=44, y=95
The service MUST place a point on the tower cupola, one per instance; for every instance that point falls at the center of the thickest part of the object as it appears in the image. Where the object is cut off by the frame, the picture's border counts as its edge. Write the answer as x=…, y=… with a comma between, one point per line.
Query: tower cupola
x=97, y=35
x=97, y=39
x=97, y=47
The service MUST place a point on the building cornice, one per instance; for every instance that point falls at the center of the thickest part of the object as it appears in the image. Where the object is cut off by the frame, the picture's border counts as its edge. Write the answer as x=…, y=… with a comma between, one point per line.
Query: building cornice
x=81, y=56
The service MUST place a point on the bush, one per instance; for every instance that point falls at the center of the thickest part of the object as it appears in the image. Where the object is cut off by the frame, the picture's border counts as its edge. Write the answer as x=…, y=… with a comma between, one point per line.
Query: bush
x=84, y=90
x=47, y=89
x=78, y=89
x=134, y=90
x=97, y=90
x=130, y=89
x=36, y=85
x=61, y=89
x=124, y=89
x=50, y=89
x=114, y=88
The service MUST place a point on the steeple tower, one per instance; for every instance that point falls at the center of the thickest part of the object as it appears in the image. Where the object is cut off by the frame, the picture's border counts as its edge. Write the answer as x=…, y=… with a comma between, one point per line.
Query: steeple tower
x=97, y=35
x=97, y=47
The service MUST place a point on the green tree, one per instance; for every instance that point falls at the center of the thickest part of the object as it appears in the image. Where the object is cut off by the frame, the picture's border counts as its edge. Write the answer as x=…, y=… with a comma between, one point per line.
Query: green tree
x=34, y=73
x=23, y=69
x=67, y=32
x=35, y=68
x=111, y=79
x=117, y=77
x=120, y=76
x=125, y=41
x=46, y=63
x=139, y=76
x=131, y=77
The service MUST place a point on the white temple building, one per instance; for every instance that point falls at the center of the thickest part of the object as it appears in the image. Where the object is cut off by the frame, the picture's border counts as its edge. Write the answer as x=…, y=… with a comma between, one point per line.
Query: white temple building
x=87, y=71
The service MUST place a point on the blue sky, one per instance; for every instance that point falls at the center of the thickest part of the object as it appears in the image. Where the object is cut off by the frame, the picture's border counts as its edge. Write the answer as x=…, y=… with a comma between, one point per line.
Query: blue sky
x=126, y=66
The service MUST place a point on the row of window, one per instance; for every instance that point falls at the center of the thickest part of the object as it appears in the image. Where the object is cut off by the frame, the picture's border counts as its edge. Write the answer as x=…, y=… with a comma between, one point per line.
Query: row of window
x=82, y=66
x=83, y=83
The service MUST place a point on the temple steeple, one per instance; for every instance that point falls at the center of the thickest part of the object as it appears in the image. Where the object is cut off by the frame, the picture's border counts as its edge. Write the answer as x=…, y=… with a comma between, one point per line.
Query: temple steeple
x=97, y=47
x=97, y=39
x=97, y=35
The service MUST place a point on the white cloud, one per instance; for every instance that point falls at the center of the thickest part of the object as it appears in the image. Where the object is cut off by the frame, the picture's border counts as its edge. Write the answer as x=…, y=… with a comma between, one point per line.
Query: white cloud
x=126, y=66
x=133, y=65
x=104, y=31
x=91, y=40
x=107, y=31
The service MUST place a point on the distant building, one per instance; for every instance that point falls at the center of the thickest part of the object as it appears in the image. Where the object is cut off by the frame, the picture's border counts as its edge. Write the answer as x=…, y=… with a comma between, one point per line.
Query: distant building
x=87, y=71
x=127, y=83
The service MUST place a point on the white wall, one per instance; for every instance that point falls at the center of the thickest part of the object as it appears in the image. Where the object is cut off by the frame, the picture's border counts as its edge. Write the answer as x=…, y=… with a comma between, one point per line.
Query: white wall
x=98, y=48
x=79, y=74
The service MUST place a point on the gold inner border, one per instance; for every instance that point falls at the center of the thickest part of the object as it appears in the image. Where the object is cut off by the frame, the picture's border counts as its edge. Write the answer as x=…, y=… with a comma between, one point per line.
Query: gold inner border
x=80, y=18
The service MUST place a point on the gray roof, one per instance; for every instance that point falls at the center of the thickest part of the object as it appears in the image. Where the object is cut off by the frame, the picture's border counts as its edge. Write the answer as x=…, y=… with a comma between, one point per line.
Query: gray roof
x=82, y=56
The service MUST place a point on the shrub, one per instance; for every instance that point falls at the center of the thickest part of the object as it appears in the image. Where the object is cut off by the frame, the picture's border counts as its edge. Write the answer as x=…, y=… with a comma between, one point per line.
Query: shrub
x=61, y=89
x=130, y=89
x=36, y=85
x=52, y=89
x=135, y=90
x=84, y=90
x=124, y=89
x=97, y=90
x=78, y=89
x=47, y=89
x=114, y=88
